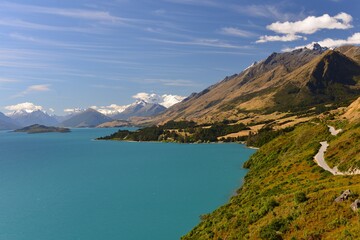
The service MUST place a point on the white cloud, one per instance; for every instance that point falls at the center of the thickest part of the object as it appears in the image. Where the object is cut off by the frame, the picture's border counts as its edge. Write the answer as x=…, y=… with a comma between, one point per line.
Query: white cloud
x=236, y=32
x=313, y=24
x=307, y=26
x=26, y=106
x=285, y=38
x=331, y=43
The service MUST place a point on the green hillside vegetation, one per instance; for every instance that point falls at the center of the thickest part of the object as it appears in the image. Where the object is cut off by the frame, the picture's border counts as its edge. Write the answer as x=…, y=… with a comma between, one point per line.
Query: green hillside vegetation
x=180, y=131
x=286, y=195
x=349, y=139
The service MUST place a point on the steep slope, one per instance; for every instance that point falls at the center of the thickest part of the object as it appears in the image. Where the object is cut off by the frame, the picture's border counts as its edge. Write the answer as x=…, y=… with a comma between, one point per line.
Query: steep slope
x=30, y=118
x=285, y=195
x=295, y=81
x=88, y=118
x=350, y=51
x=352, y=112
x=140, y=109
x=7, y=123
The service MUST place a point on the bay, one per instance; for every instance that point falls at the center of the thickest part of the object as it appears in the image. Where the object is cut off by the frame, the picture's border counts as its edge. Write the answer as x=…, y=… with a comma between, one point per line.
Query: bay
x=58, y=186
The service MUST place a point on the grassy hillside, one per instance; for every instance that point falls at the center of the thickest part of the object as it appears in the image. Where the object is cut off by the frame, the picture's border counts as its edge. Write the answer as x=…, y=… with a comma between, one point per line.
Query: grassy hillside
x=286, y=195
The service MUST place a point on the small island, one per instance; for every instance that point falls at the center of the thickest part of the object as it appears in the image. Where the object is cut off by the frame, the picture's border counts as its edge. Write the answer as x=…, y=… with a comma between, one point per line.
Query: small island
x=37, y=128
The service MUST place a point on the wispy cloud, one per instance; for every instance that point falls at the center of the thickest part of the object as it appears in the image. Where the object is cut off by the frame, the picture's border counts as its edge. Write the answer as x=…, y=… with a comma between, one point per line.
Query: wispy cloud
x=8, y=80
x=309, y=25
x=331, y=43
x=200, y=42
x=195, y=2
x=173, y=82
x=266, y=11
x=33, y=89
x=18, y=23
x=101, y=86
x=65, y=12
x=236, y=32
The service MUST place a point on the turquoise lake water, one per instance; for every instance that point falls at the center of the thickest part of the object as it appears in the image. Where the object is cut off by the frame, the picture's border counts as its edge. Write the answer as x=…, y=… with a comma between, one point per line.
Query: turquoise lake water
x=57, y=186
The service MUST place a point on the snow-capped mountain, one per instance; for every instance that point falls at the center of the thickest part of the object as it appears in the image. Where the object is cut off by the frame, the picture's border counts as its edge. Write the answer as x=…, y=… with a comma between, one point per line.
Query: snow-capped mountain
x=140, y=108
x=145, y=105
x=29, y=117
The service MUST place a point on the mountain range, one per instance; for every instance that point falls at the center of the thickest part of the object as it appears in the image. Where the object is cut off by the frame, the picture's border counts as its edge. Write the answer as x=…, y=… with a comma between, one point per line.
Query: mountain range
x=291, y=81
x=88, y=117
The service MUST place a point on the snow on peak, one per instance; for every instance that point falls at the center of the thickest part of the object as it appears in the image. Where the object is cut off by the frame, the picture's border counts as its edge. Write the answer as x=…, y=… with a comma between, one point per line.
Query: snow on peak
x=166, y=100
x=253, y=64
x=23, y=109
x=316, y=47
x=169, y=100
x=141, y=99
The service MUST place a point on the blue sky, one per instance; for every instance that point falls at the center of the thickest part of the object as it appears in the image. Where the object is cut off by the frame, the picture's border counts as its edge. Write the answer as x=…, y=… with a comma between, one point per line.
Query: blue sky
x=66, y=54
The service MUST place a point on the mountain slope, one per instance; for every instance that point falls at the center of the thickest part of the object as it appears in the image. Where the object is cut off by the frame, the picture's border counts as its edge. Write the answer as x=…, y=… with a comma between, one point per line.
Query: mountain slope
x=88, y=118
x=7, y=123
x=294, y=81
x=352, y=112
x=24, y=118
x=286, y=195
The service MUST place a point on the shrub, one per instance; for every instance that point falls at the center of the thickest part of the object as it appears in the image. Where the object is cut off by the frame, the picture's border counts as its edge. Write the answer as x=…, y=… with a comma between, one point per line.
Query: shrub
x=300, y=197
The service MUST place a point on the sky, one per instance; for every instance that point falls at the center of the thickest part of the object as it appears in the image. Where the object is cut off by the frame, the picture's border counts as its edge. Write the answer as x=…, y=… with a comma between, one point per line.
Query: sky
x=62, y=54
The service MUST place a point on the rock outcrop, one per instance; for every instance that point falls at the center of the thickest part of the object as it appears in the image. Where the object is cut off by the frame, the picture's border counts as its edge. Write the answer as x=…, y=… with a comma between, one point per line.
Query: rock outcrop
x=344, y=196
x=355, y=206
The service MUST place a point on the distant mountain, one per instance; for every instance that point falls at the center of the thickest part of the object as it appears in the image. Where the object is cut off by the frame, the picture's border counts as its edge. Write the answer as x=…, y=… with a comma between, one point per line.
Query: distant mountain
x=25, y=118
x=88, y=118
x=7, y=123
x=290, y=81
x=140, y=109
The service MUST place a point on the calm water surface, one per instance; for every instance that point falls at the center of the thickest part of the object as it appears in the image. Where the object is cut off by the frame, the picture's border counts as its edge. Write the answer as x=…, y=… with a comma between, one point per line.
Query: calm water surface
x=67, y=186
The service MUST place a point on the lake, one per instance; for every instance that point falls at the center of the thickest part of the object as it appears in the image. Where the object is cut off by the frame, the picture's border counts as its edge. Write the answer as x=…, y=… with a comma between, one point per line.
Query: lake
x=59, y=186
